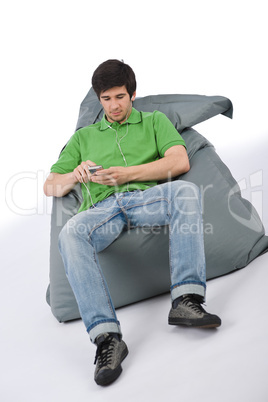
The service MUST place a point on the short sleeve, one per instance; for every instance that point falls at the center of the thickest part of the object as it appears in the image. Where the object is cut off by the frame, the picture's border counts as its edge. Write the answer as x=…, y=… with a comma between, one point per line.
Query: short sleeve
x=166, y=134
x=69, y=158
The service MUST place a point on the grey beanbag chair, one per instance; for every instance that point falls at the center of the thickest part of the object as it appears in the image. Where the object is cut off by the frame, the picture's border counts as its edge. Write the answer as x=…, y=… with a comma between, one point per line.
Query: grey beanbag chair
x=136, y=265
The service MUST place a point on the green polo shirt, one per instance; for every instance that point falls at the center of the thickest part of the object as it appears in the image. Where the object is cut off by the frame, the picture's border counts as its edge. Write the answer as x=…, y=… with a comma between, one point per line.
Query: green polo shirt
x=144, y=138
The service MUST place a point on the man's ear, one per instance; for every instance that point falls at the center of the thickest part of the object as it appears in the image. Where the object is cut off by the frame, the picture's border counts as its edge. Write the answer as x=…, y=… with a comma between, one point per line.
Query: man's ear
x=133, y=96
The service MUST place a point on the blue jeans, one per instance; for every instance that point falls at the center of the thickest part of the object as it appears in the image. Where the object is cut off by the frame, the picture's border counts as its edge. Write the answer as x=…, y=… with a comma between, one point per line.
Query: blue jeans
x=176, y=204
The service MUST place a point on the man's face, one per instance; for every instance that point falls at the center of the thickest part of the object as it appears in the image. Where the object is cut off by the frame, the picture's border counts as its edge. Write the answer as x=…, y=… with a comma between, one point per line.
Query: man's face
x=117, y=104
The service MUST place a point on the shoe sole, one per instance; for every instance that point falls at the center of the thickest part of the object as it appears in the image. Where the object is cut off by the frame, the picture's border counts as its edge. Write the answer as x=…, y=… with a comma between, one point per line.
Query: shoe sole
x=106, y=380
x=193, y=323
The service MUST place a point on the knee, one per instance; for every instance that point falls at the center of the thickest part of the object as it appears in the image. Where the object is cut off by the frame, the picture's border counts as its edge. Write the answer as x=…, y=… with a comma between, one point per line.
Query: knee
x=187, y=189
x=191, y=189
x=187, y=197
x=71, y=230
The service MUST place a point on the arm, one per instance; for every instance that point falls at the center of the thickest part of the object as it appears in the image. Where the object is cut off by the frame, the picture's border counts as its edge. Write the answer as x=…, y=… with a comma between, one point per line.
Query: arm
x=174, y=163
x=58, y=185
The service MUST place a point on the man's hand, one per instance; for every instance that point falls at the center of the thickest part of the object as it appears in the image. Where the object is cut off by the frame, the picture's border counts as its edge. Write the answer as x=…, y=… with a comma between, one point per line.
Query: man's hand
x=58, y=185
x=114, y=176
x=81, y=172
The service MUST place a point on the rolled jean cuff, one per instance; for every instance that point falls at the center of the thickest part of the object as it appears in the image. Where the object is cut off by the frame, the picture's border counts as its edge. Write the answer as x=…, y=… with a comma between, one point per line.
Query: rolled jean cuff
x=102, y=328
x=188, y=288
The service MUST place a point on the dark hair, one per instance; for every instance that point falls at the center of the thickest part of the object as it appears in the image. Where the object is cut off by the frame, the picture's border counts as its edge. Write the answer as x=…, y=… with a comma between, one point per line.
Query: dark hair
x=113, y=73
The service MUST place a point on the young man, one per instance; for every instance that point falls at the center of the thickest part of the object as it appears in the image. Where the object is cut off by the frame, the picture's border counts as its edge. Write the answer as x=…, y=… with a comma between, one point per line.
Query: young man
x=135, y=151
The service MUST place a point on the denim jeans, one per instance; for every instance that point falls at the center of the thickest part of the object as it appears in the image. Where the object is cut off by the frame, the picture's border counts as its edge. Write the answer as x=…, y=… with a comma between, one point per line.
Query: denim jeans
x=176, y=204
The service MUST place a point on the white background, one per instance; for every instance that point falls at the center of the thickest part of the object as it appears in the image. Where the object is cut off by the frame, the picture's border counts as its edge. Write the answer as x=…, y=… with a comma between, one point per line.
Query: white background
x=49, y=51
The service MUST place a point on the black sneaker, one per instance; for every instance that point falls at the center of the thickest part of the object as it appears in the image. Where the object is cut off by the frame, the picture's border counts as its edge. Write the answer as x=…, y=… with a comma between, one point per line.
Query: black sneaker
x=187, y=310
x=110, y=353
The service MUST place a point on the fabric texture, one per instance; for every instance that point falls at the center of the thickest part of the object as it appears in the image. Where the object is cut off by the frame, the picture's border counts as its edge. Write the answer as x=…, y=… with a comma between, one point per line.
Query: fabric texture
x=233, y=232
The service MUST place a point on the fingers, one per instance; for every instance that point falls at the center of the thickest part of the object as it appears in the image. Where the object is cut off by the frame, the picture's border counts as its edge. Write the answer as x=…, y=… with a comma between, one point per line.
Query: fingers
x=81, y=172
x=109, y=177
x=101, y=177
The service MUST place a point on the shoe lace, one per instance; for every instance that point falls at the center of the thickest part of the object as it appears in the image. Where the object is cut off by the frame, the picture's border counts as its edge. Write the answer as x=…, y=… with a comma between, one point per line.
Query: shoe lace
x=105, y=351
x=194, y=304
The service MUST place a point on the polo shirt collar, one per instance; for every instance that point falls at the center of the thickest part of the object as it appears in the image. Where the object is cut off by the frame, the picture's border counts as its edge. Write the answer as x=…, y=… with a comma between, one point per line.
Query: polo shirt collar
x=134, y=118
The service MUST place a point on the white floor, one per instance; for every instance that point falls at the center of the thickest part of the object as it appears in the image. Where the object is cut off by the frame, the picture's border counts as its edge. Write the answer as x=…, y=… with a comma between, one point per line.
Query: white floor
x=42, y=360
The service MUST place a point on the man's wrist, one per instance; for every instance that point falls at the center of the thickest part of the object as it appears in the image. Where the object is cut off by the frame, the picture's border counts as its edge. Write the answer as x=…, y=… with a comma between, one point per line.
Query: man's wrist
x=132, y=173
